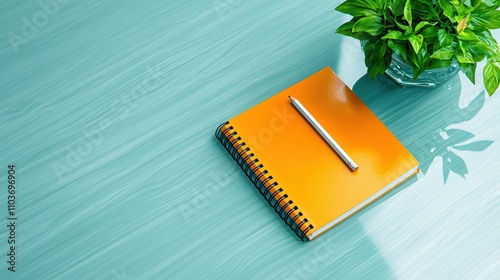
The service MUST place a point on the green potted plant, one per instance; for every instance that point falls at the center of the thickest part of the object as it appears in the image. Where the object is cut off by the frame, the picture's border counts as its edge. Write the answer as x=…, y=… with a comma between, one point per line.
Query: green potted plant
x=427, y=35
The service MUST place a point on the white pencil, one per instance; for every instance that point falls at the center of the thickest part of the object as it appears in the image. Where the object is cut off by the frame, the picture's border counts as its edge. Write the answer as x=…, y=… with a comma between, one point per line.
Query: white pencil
x=303, y=111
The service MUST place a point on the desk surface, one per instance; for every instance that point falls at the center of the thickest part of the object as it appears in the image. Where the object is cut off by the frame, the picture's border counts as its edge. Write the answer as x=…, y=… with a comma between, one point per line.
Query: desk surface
x=108, y=112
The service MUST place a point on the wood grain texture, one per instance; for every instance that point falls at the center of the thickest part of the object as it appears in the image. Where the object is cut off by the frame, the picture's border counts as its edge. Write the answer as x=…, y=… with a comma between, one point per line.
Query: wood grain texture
x=108, y=110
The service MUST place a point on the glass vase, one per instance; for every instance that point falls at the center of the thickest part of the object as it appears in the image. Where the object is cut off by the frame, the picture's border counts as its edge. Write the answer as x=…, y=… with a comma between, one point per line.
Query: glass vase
x=402, y=73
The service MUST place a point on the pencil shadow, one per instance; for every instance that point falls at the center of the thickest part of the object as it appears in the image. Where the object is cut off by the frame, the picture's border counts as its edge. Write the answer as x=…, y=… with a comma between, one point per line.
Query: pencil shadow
x=422, y=119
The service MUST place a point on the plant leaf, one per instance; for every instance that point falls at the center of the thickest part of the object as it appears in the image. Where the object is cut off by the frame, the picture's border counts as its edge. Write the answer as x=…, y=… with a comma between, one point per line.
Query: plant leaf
x=480, y=48
x=489, y=19
x=393, y=34
x=346, y=29
x=371, y=25
x=430, y=34
x=463, y=54
x=399, y=49
x=438, y=63
x=444, y=38
x=407, y=34
x=448, y=9
x=477, y=146
x=416, y=42
x=487, y=38
x=398, y=7
x=462, y=25
x=421, y=25
x=478, y=58
x=469, y=70
x=464, y=58
x=491, y=76
x=377, y=57
x=407, y=13
x=424, y=59
x=492, y=4
x=445, y=53
x=468, y=35
x=474, y=3
x=402, y=26
x=425, y=10
x=357, y=8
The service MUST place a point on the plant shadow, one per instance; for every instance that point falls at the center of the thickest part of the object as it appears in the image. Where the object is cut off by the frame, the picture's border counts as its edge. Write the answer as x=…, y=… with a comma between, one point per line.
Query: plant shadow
x=423, y=120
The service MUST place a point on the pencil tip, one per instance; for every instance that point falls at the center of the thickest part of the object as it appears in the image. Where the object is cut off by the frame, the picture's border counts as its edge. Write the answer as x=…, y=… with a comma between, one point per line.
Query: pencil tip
x=291, y=98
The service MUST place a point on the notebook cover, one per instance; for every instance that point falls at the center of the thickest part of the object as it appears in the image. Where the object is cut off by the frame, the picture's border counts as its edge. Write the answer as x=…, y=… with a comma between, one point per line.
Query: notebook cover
x=304, y=166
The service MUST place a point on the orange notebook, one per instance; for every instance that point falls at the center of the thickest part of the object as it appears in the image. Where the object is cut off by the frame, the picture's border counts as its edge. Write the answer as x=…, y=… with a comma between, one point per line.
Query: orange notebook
x=297, y=172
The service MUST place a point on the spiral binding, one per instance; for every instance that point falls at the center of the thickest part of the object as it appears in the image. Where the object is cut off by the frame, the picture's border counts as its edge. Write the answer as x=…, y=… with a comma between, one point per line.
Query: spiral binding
x=263, y=181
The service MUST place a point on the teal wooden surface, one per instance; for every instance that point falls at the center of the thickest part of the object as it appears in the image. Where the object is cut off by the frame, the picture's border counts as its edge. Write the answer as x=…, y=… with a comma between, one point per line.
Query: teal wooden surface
x=108, y=110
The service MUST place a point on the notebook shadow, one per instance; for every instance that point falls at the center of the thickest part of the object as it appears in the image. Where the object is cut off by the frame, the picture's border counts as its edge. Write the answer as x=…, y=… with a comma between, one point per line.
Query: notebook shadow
x=345, y=252
x=423, y=119
x=335, y=253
